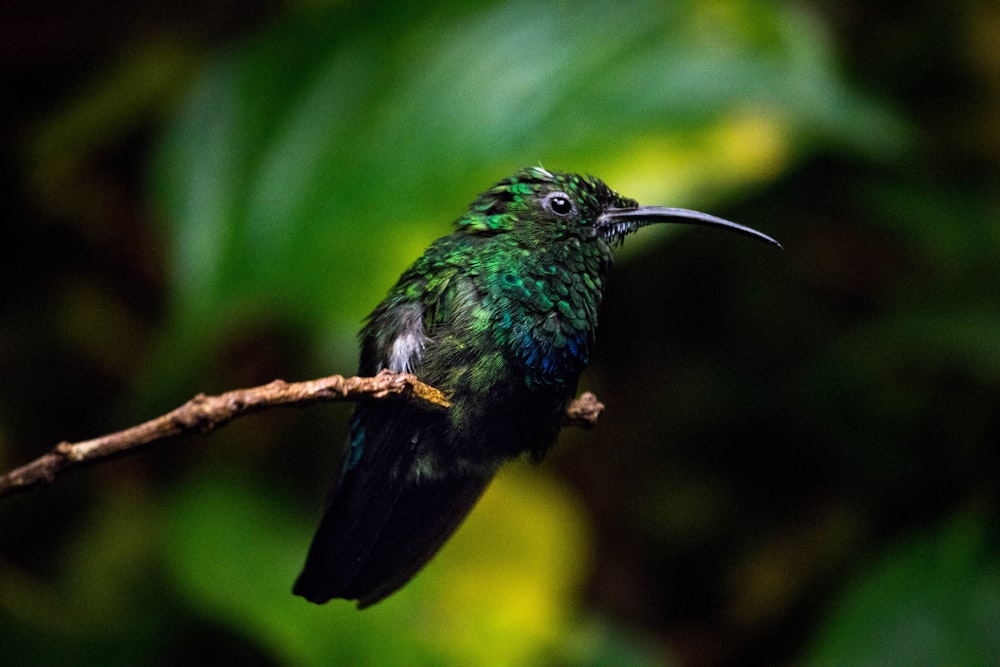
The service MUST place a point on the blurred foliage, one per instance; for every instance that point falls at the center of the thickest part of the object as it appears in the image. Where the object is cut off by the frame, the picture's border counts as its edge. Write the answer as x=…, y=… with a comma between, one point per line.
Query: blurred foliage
x=451, y=622
x=431, y=106
x=799, y=459
x=932, y=600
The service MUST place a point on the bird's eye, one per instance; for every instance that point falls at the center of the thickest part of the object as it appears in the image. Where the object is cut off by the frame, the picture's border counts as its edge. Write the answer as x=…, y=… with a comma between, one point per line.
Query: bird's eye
x=560, y=204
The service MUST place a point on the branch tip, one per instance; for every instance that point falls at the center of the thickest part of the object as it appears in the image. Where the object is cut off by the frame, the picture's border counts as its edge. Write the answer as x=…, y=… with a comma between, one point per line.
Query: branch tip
x=204, y=414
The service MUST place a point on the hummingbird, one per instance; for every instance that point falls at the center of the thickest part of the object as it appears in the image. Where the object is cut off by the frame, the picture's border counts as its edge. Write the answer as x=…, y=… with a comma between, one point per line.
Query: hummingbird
x=501, y=316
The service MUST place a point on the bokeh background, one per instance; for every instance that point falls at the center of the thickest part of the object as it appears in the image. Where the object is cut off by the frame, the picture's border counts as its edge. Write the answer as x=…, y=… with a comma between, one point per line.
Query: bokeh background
x=798, y=463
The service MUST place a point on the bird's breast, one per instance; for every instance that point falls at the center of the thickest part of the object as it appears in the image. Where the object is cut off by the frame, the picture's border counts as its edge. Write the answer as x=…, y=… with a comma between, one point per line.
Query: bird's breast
x=546, y=325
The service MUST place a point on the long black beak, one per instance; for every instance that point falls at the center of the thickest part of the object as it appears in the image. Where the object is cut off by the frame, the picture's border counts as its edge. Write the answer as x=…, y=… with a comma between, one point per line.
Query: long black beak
x=616, y=223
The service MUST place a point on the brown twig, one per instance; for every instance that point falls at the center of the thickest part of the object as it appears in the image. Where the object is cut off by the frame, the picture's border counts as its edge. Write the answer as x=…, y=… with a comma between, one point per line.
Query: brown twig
x=584, y=411
x=203, y=414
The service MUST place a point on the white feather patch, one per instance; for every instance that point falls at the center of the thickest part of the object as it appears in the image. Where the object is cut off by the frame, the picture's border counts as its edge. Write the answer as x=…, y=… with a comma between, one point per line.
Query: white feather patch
x=409, y=344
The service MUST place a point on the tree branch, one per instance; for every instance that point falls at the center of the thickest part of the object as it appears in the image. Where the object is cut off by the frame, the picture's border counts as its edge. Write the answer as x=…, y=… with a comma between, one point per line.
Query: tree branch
x=204, y=414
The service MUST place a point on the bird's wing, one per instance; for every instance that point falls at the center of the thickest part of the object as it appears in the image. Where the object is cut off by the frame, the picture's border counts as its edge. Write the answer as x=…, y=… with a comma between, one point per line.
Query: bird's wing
x=380, y=526
x=384, y=438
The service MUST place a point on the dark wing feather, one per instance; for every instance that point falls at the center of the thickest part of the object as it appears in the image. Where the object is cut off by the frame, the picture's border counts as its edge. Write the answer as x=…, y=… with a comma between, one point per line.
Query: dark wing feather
x=422, y=520
x=362, y=501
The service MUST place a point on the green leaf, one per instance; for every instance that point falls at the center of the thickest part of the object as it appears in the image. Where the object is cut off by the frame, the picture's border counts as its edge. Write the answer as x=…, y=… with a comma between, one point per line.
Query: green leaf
x=500, y=592
x=933, y=600
x=313, y=162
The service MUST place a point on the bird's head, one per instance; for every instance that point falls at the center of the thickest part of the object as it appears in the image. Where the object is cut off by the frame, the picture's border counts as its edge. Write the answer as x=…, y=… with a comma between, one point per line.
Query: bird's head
x=537, y=208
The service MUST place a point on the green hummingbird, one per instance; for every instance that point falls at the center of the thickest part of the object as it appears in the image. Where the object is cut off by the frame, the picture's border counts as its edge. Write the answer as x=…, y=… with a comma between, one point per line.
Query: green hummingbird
x=501, y=316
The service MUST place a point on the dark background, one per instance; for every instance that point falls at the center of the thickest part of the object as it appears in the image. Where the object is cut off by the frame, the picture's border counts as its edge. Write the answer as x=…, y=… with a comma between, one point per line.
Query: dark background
x=798, y=464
